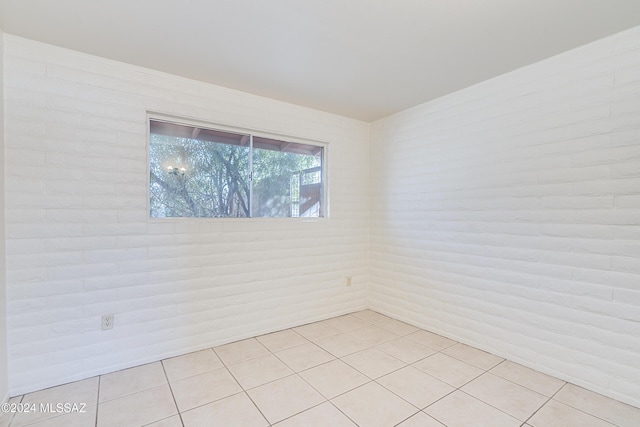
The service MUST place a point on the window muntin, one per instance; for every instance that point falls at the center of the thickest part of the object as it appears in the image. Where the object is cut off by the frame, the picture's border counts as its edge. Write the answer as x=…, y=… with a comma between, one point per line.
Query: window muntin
x=208, y=173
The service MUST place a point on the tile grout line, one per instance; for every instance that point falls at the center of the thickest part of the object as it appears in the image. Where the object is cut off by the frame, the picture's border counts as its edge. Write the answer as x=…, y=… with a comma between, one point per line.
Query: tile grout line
x=11, y=419
x=227, y=365
x=57, y=414
x=544, y=404
x=460, y=387
x=98, y=401
x=426, y=373
x=466, y=383
x=255, y=405
x=407, y=364
x=204, y=404
x=327, y=399
x=573, y=407
x=244, y=391
x=488, y=404
x=294, y=373
x=304, y=380
x=287, y=348
x=490, y=371
x=374, y=380
x=172, y=394
x=340, y=410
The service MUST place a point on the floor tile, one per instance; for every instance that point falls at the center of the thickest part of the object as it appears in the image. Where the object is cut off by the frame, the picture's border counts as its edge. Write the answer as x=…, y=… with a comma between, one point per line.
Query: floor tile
x=137, y=409
x=374, y=370
x=600, y=406
x=87, y=418
x=285, y=397
x=515, y=400
x=431, y=340
x=396, y=326
x=346, y=323
x=174, y=421
x=473, y=356
x=240, y=351
x=334, y=378
x=556, y=414
x=415, y=386
x=191, y=364
x=133, y=380
x=406, y=350
x=323, y=415
x=533, y=380
x=372, y=405
x=204, y=388
x=373, y=362
x=234, y=411
x=369, y=316
x=282, y=340
x=373, y=335
x=316, y=330
x=461, y=410
x=421, y=420
x=447, y=369
x=258, y=371
x=85, y=391
x=7, y=417
x=342, y=344
x=304, y=357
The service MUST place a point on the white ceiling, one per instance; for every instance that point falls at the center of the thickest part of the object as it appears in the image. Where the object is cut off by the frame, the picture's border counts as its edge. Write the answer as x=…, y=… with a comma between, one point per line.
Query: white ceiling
x=359, y=58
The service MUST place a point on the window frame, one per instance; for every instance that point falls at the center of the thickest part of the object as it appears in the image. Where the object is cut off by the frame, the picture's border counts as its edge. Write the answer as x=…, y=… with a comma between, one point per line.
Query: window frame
x=252, y=132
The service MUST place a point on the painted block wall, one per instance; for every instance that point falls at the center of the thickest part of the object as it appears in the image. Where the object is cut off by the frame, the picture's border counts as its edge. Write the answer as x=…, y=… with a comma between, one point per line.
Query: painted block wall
x=507, y=216
x=80, y=244
x=4, y=379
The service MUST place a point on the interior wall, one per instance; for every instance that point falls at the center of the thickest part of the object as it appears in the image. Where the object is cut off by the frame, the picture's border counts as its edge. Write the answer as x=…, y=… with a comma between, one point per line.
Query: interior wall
x=4, y=380
x=507, y=216
x=80, y=243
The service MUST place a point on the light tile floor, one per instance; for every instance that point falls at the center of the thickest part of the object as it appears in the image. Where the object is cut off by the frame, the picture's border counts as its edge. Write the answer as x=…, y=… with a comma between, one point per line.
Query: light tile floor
x=362, y=369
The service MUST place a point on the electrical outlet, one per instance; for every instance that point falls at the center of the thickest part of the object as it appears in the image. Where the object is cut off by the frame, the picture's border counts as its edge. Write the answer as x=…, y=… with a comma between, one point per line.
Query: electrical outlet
x=348, y=280
x=107, y=321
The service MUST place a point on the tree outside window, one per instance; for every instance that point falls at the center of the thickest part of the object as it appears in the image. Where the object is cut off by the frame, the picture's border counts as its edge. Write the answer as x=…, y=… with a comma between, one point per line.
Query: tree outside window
x=208, y=173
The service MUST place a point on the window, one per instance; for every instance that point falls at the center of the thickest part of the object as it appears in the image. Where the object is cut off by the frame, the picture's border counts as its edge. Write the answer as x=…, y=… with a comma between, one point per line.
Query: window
x=209, y=173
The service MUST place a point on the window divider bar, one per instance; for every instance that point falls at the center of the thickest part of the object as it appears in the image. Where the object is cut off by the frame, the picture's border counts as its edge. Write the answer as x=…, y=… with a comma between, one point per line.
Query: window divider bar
x=250, y=176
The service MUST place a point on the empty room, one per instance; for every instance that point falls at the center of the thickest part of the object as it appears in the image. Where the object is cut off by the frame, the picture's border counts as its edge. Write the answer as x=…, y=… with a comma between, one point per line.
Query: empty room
x=330, y=213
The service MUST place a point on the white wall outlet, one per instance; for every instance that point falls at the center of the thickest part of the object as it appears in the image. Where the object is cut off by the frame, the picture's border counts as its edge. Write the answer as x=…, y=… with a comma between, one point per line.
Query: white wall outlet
x=107, y=321
x=348, y=280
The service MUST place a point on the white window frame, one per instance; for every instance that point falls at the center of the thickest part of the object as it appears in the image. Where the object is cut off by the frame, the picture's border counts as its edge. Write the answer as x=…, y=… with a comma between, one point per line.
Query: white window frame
x=252, y=132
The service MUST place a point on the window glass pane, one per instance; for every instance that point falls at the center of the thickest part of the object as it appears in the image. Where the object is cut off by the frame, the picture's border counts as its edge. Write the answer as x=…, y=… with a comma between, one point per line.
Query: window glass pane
x=287, y=179
x=197, y=172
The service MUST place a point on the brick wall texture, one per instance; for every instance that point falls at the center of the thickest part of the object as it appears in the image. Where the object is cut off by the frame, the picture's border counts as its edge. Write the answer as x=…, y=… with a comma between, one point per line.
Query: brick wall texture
x=505, y=215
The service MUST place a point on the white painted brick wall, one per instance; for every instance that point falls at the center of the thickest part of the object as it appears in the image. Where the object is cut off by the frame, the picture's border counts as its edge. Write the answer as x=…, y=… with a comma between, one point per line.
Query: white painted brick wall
x=4, y=375
x=507, y=216
x=79, y=243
